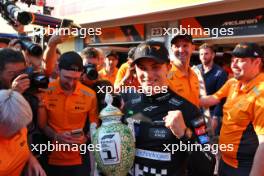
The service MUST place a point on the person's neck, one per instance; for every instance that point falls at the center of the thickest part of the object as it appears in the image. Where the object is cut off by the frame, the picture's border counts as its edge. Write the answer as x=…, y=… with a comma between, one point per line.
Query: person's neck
x=208, y=67
x=183, y=67
x=68, y=92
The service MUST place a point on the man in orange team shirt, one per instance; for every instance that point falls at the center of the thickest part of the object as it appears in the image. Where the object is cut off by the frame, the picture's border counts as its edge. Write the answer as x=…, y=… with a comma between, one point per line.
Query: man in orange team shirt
x=66, y=106
x=242, y=132
x=110, y=70
x=126, y=73
x=15, y=115
x=182, y=79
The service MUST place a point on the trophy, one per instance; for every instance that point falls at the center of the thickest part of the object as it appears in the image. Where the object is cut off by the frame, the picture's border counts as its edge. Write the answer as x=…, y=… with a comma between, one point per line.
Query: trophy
x=117, y=146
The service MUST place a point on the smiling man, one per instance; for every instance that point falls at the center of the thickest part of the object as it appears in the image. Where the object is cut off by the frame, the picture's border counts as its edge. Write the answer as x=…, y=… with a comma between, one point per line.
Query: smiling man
x=164, y=115
x=182, y=79
x=243, y=112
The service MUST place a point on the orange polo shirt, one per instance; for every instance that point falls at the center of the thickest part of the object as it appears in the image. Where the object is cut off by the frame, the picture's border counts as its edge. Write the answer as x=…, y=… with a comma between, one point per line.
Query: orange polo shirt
x=243, y=120
x=104, y=76
x=185, y=86
x=14, y=154
x=132, y=80
x=67, y=113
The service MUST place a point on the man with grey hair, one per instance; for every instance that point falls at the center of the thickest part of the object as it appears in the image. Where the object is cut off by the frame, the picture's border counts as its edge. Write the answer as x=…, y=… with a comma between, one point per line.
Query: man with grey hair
x=15, y=115
x=15, y=112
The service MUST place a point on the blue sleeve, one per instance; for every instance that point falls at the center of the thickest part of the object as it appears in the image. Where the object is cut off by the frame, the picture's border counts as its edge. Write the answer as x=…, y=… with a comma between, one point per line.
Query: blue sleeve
x=222, y=78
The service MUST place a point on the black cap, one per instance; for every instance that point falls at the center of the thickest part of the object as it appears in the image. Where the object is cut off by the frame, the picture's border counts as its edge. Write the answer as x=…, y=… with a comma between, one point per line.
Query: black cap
x=247, y=49
x=186, y=37
x=152, y=49
x=71, y=61
x=111, y=53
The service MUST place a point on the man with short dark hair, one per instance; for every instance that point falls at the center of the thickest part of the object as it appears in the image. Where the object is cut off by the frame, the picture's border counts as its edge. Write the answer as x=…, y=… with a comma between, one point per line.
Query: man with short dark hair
x=12, y=66
x=63, y=113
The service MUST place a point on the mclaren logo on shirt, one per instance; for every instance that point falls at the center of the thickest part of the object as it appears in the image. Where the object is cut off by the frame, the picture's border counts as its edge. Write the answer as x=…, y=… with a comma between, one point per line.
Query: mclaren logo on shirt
x=150, y=108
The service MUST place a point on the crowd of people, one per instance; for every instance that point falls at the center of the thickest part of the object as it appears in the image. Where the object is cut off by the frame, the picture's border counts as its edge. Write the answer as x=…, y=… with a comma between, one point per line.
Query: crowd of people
x=65, y=108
